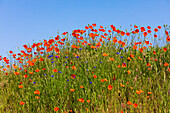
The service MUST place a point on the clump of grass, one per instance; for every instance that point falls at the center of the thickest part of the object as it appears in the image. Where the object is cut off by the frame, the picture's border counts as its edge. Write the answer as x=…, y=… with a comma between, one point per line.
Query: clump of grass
x=98, y=72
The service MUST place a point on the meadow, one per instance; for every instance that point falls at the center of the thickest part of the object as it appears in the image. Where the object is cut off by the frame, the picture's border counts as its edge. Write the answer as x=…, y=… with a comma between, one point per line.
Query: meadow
x=94, y=72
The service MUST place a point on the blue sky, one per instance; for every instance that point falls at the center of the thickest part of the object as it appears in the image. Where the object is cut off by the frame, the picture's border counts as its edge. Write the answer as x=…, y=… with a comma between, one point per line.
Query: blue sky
x=22, y=21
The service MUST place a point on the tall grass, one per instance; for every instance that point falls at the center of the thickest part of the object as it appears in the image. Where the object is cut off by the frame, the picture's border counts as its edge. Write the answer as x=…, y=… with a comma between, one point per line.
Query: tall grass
x=107, y=74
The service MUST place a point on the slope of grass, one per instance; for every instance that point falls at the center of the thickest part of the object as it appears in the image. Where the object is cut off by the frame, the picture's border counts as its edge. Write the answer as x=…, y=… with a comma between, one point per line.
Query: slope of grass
x=110, y=78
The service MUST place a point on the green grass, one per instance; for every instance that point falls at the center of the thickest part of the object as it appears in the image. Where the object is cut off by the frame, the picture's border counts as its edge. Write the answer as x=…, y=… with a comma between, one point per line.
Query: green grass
x=55, y=91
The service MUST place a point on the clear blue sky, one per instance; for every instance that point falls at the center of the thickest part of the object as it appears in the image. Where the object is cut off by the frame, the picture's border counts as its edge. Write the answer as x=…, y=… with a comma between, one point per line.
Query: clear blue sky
x=22, y=21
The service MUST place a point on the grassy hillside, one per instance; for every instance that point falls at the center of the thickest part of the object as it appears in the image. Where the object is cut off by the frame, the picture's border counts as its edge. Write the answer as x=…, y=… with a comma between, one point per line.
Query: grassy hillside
x=105, y=75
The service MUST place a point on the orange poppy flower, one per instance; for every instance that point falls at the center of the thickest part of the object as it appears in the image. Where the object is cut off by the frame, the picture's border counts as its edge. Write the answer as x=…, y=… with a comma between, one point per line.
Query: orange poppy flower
x=81, y=87
x=112, y=59
x=135, y=105
x=147, y=96
x=138, y=92
x=36, y=92
x=25, y=76
x=110, y=87
x=135, y=47
x=122, y=85
x=37, y=97
x=149, y=92
x=31, y=72
x=73, y=67
x=20, y=86
x=131, y=87
x=88, y=101
x=147, y=42
x=94, y=76
x=72, y=90
x=22, y=103
x=156, y=30
x=104, y=54
x=56, y=108
x=128, y=72
x=129, y=103
x=145, y=34
x=73, y=76
x=139, y=58
x=37, y=70
x=166, y=64
x=119, y=66
x=55, y=70
x=129, y=58
x=123, y=64
x=168, y=39
x=148, y=64
x=164, y=49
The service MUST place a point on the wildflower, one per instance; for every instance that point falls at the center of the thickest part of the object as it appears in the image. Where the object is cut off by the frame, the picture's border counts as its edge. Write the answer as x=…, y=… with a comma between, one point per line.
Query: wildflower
x=81, y=100
x=135, y=105
x=88, y=101
x=67, y=79
x=156, y=30
x=56, y=108
x=66, y=56
x=164, y=49
x=95, y=67
x=37, y=97
x=100, y=61
x=112, y=59
x=37, y=92
x=25, y=76
x=80, y=49
x=128, y=72
x=104, y=54
x=131, y=87
x=73, y=76
x=81, y=87
x=121, y=48
x=59, y=71
x=73, y=67
x=20, y=86
x=22, y=103
x=121, y=57
x=119, y=66
x=50, y=56
x=72, y=90
x=129, y=58
x=55, y=70
x=94, y=76
x=148, y=64
x=129, y=103
x=147, y=97
x=52, y=62
x=44, y=69
x=110, y=87
x=44, y=74
x=122, y=85
x=37, y=70
x=117, y=53
x=138, y=92
x=166, y=64
x=34, y=82
x=149, y=92
x=123, y=64
x=77, y=56
x=52, y=75
x=90, y=82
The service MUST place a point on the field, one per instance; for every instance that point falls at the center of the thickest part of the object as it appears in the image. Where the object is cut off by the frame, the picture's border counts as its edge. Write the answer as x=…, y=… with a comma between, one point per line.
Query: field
x=97, y=72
